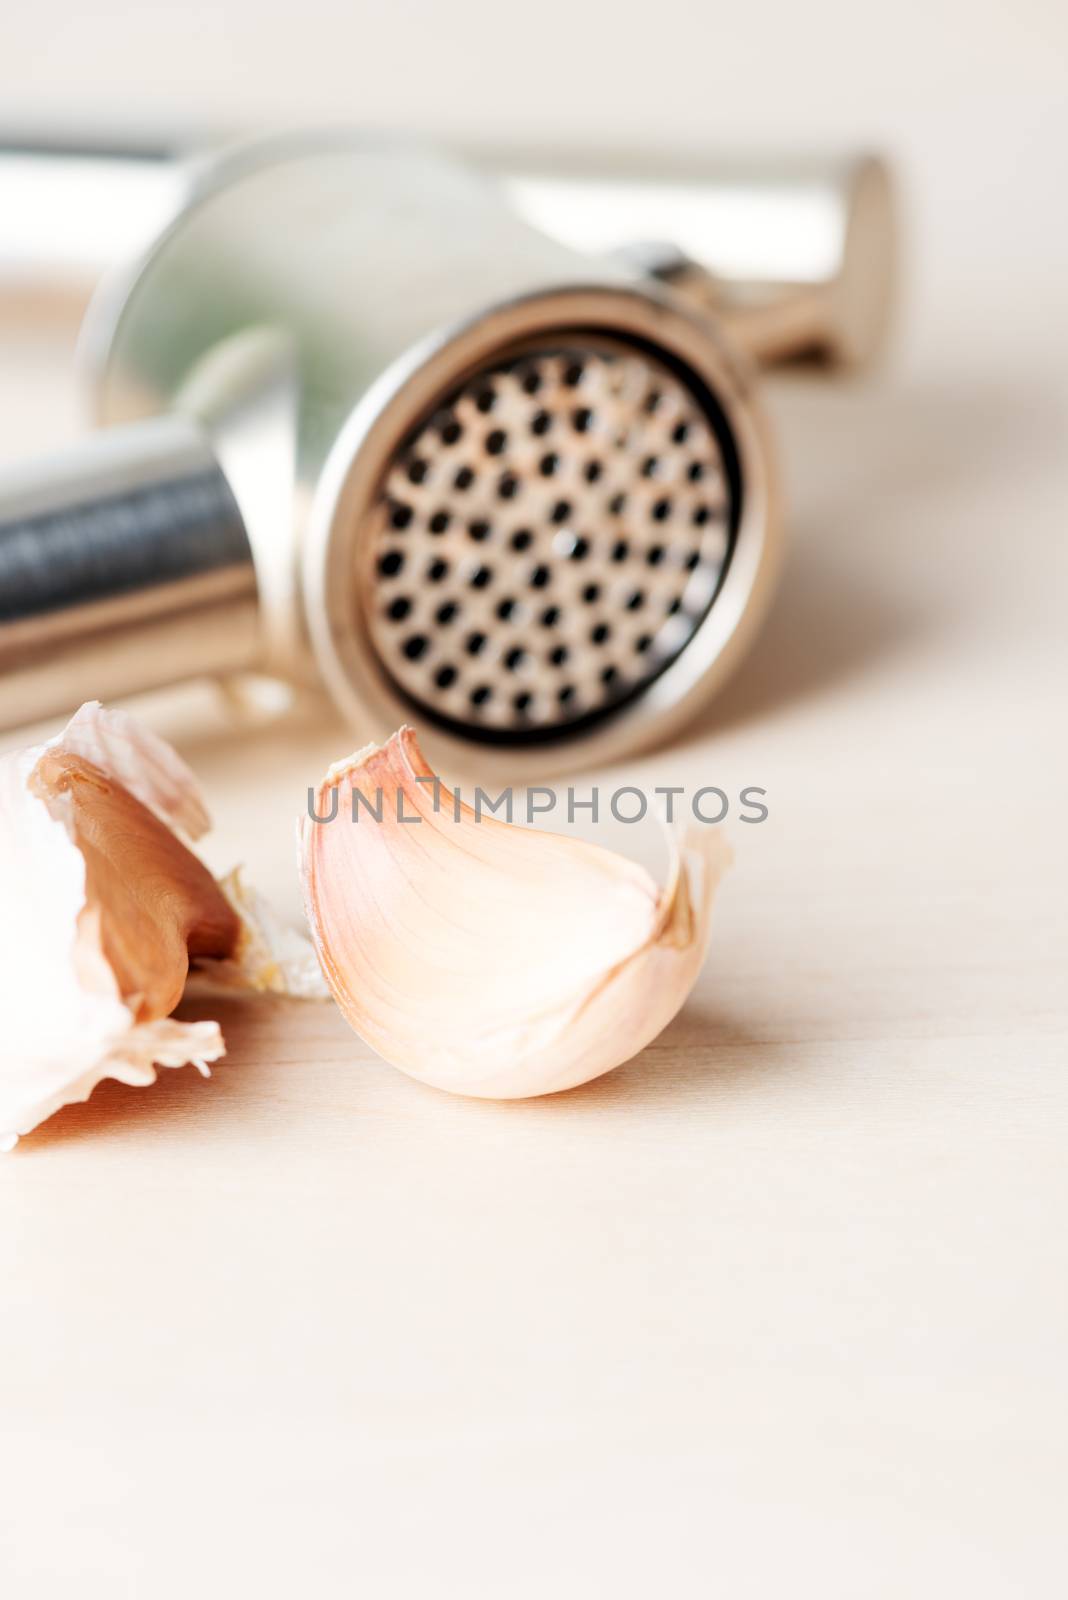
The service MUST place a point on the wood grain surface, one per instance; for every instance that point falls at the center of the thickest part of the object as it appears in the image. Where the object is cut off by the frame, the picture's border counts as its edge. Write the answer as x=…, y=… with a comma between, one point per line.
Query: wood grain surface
x=779, y=1307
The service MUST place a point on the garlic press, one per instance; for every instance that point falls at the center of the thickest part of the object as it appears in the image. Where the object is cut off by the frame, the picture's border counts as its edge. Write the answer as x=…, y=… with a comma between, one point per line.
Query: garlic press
x=441, y=439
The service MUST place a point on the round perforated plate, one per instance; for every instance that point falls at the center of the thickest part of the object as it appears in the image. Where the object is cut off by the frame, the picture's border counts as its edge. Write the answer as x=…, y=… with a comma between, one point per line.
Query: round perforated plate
x=549, y=540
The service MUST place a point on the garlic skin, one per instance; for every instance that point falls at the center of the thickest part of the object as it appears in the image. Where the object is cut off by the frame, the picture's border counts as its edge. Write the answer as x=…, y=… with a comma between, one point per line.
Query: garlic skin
x=103, y=907
x=271, y=957
x=488, y=959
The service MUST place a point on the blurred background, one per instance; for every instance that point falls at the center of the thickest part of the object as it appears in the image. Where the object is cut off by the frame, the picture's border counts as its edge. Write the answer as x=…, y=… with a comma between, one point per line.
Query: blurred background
x=969, y=100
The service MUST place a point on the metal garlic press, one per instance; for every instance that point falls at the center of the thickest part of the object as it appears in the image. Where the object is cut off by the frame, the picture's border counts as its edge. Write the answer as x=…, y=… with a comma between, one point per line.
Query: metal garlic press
x=444, y=440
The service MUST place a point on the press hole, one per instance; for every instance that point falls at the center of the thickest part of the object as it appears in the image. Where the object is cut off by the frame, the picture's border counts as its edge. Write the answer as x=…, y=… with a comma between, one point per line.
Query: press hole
x=491, y=417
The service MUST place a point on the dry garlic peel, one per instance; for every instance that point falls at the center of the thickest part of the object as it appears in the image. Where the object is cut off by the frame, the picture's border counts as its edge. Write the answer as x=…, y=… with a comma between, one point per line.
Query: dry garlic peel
x=489, y=959
x=104, y=905
x=271, y=957
x=153, y=902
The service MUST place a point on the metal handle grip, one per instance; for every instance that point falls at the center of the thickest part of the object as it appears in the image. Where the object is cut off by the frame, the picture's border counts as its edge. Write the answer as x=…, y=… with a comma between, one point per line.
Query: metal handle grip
x=124, y=565
x=796, y=255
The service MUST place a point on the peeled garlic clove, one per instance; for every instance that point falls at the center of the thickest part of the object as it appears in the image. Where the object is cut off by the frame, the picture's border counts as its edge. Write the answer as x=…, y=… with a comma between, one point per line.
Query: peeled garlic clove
x=104, y=906
x=488, y=959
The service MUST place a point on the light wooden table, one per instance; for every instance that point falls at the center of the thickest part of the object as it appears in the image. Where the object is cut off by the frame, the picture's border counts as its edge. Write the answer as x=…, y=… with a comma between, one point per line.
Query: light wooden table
x=777, y=1309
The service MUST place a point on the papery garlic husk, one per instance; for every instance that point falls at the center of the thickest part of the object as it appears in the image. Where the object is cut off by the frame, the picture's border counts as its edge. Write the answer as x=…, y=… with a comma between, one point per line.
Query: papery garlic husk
x=489, y=959
x=272, y=957
x=103, y=905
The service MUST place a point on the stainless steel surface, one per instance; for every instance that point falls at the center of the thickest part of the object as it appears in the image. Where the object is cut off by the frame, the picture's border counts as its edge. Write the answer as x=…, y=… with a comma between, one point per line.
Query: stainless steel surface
x=373, y=441
x=309, y=305
x=797, y=253
x=549, y=540
x=124, y=564
x=314, y=304
x=796, y=256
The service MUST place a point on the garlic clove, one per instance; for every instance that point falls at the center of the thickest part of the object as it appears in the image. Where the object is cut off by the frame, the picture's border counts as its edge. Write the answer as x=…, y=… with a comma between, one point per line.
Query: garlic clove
x=104, y=907
x=488, y=959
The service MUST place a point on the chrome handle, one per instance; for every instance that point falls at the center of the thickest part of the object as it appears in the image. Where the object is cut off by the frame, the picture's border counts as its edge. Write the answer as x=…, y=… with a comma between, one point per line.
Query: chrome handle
x=124, y=565
x=796, y=256
x=797, y=259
